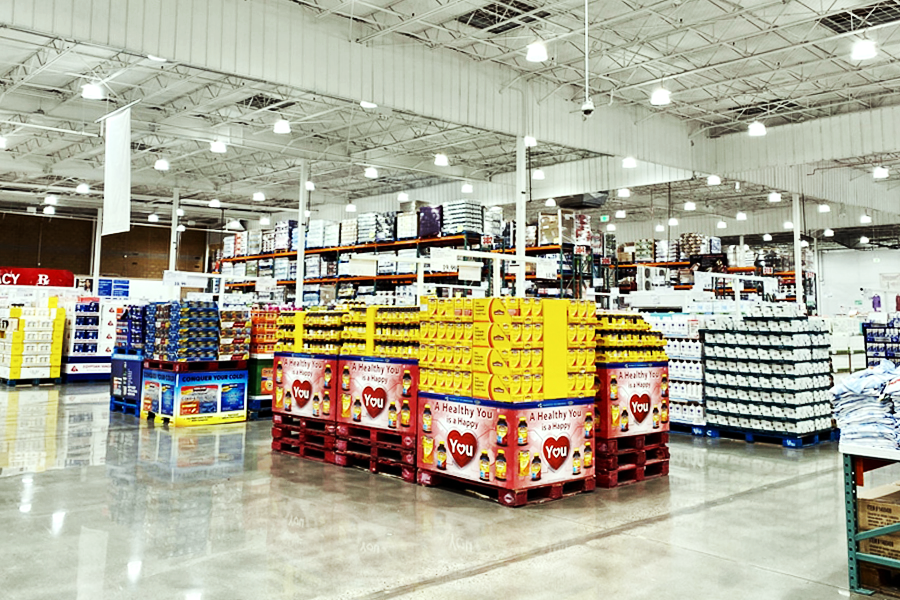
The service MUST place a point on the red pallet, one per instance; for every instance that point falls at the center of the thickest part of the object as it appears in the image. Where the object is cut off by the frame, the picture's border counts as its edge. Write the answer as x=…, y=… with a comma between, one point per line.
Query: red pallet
x=195, y=366
x=376, y=451
x=505, y=496
x=377, y=465
x=611, y=462
x=290, y=434
x=306, y=451
x=631, y=443
x=320, y=425
x=632, y=474
x=376, y=436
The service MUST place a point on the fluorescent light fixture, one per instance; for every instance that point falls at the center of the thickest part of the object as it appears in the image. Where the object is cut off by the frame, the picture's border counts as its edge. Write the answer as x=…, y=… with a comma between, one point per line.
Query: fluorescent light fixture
x=713, y=180
x=865, y=219
x=621, y=214
x=350, y=207
x=863, y=50
x=629, y=162
x=788, y=225
x=402, y=197
x=307, y=213
x=161, y=164
x=741, y=216
x=721, y=225
x=263, y=221
x=92, y=91
x=690, y=205
x=441, y=160
x=767, y=237
x=371, y=172
x=530, y=141
x=310, y=186
x=536, y=52
x=623, y=193
x=181, y=229
x=180, y=212
x=863, y=240
x=550, y=202
x=756, y=129
x=51, y=199
x=214, y=203
x=234, y=225
x=611, y=227
x=774, y=197
x=673, y=222
x=158, y=59
x=881, y=173
x=82, y=188
x=804, y=244
x=828, y=233
x=218, y=147
x=367, y=104
x=538, y=175
x=737, y=186
x=259, y=197
x=153, y=218
x=2, y=143
x=282, y=126
x=824, y=208
x=467, y=188
x=660, y=227
x=49, y=210
x=660, y=97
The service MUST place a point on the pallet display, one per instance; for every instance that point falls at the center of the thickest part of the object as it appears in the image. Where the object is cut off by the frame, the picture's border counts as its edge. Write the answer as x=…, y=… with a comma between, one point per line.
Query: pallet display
x=126, y=375
x=685, y=352
x=90, y=337
x=31, y=341
x=194, y=393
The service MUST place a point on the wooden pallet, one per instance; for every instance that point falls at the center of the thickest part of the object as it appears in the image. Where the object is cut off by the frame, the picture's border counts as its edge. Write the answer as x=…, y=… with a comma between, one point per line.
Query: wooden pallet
x=31, y=382
x=307, y=451
x=194, y=366
x=376, y=436
x=627, y=474
x=376, y=451
x=786, y=440
x=320, y=425
x=289, y=434
x=631, y=442
x=380, y=466
x=119, y=405
x=504, y=496
x=695, y=430
x=611, y=462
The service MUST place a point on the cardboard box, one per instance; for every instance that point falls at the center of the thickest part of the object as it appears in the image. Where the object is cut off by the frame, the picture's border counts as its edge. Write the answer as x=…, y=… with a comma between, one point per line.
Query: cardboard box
x=879, y=506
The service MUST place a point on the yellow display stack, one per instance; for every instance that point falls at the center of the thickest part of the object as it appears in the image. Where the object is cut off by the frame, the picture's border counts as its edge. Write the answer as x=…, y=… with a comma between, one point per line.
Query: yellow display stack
x=322, y=331
x=445, y=346
x=289, y=332
x=628, y=338
x=31, y=340
x=569, y=348
x=357, y=335
x=396, y=331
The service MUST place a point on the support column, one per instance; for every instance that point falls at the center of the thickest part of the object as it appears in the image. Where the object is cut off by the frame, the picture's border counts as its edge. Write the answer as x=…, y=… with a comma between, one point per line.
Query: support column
x=741, y=258
x=521, y=198
x=95, y=257
x=301, y=230
x=798, y=251
x=173, y=231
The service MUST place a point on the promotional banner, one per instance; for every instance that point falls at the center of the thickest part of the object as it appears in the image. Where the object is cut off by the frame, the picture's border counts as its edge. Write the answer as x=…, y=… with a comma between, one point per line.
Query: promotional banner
x=117, y=174
x=379, y=393
x=36, y=277
x=513, y=446
x=158, y=393
x=633, y=399
x=195, y=398
x=305, y=386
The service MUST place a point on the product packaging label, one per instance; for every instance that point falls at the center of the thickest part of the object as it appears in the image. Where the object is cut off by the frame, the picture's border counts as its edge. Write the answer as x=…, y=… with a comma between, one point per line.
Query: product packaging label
x=633, y=399
x=378, y=393
x=304, y=386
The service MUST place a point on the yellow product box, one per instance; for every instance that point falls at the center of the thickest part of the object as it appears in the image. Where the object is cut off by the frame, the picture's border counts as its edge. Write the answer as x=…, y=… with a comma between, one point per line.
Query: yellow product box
x=490, y=360
x=459, y=331
x=537, y=384
x=525, y=358
x=54, y=371
x=466, y=360
x=526, y=384
x=491, y=387
x=537, y=358
x=441, y=333
x=491, y=310
x=491, y=335
x=527, y=332
x=516, y=331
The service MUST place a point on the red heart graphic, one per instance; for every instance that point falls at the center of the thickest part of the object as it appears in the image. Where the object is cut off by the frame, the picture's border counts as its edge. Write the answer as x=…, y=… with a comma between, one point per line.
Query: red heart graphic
x=463, y=447
x=302, y=391
x=640, y=407
x=374, y=401
x=556, y=451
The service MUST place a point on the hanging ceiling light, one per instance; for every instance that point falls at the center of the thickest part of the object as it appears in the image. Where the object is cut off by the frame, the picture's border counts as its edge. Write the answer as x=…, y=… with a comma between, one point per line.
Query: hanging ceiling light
x=828, y=233
x=530, y=141
x=153, y=218
x=402, y=197
x=218, y=147
x=660, y=97
x=721, y=225
x=620, y=214
x=82, y=188
x=92, y=91
x=180, y=212
x=366, y=104
x=49, y=210
x=158, y=59
x=234, y=225
x=690, y=205
x=881, y=173
x=774, y=197
x=310, y=186
x=863, y=50
x=550, y=202
x=756, y=129
x=51, y=199
x=350, y=207
x=824, y=208
x=371, y=173
x=788, y=225
x=161, y=164
x=282, y=126
x=2, y=143
x=737, y=186
x=741, y=216
x=629, y=162
x=611, y=227
x=214, y=203
x=767, y=237
x=863, y=240
x=673, y=222
x=307, y=213
x=865, y=219
x=467, y=188
x=804, y=244
x=660, y=227
x=181, y=229
x=537, y=175
x=441, y=160
x=713, y=180
x=259, y=197
x=623, y=193
x=264, y=220
x=536, y=52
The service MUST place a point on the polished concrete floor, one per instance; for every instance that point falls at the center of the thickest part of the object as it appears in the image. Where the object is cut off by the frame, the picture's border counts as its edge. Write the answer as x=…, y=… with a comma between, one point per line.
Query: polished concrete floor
x=95, y=506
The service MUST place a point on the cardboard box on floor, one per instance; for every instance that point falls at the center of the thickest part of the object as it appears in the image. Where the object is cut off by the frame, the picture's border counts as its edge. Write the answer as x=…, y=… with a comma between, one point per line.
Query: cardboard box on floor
x=879, y=507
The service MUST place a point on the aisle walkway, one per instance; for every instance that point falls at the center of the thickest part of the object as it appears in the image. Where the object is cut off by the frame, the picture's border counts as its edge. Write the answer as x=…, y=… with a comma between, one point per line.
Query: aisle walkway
x=93, y=507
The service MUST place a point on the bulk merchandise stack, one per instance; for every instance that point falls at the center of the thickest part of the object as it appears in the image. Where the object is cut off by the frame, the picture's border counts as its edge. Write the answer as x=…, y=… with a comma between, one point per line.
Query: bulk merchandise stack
x=260, y=368
x=89, y=339
x=767, y=375
x=195, y=367
x=632, y=407
x=31, y=341
x=127, y=361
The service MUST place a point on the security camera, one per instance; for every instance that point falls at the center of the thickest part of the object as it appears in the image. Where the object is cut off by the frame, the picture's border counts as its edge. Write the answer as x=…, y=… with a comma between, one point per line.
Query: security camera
x=587, y=109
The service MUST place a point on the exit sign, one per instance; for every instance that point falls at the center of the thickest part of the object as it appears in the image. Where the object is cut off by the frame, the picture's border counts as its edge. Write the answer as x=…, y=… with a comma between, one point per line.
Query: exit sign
x=604, y=218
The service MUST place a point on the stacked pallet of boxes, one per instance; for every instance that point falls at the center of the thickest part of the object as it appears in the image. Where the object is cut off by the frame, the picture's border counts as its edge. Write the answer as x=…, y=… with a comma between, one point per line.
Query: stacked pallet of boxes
x=510, y=415
x=127, y=363
x=264, y=328
x=632, y=408
x=89, y=339
x=31, y=340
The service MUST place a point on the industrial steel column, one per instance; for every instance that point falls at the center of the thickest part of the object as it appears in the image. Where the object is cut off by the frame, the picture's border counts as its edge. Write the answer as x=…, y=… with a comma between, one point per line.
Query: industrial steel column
x=798, y=252
x=521, y=198
x=173, y=231
x=301, y=230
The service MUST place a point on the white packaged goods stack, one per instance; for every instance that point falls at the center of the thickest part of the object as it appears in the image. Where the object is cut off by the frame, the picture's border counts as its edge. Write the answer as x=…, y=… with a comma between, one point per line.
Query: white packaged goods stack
x=312, y=267
x=461, y=216
x=315, y=234
x=493, y=222
x=283, y=231
x=251, y=268
x=385, y=226
x=583, y=234
x=228, y=246
x=662, y=251
x=344, y=266
x=643, y=251
x=685, y=352
x=691, y=244
x=387, y=263
x=332, y=236
x=848, y=347
x=268, y=241
x=407, y=226
x=348, y=232
x=365, y=228
x=265, y=267
x=295, y=239
x=227, y=269
x=89, y=338
x=405, y=268
x=282, y=268
x=240, y=270
x=768, y=373
x=240, y=244
x=254, y=242
x=31, y=340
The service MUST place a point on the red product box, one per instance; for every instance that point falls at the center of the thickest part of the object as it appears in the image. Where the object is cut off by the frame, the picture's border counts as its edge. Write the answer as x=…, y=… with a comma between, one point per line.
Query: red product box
x=380, y=393
x=633, y=399
x=513, y=446
x=305, y=385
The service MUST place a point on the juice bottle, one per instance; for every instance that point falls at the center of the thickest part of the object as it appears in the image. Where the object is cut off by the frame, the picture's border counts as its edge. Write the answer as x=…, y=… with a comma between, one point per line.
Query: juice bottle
x=655, y=418
x=536, y=468
x=392, y=415
x=623, y=421
x=664, y=412
x=441, y=456
x=426, y=419
x=502, y=430
x=407, y=383
x=288, y=401
x=500, y=466
x=576, y=462
x=326, y=376
x=326, y=404
x=523, y=432
x=404, y=413
x=484, y=466
x=345, y=378
x=357, y=410
x=588, y=424
x=588, y=455
x=315, y=405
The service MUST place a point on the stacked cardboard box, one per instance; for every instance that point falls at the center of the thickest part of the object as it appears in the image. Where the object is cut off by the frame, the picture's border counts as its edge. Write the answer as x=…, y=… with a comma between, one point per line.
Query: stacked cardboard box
x=228, y=246
x=348, y=232
x=31, y=340
x=430, y=221
x=315, y=235
x=283, y=231
x=404, y=268
x=332, y=236
x=281, y=268
x=493, y=222
x=385, y=226
x=583, y=235
x=312, y=267
x=365, y=228
x=235, y=330
x=556, y=227
x=240, y=244
x=644, y=251
x=462, y=215
x=268, y=241
x=692, y=244
x=407, y=226
x=254, y=242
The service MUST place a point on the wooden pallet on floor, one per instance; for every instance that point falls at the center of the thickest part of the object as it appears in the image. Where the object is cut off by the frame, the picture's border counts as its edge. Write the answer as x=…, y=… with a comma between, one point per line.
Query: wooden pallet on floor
x=611, y=462
x=783, y=439
x=627, y=474
x=321, y=425
x=290, y=434
x=376, y=436
x=695, y=430
x=31, y=382
x=308, y=451
x=508, y=497
x=380, y=466
x=376, y=451
x=631, y=442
